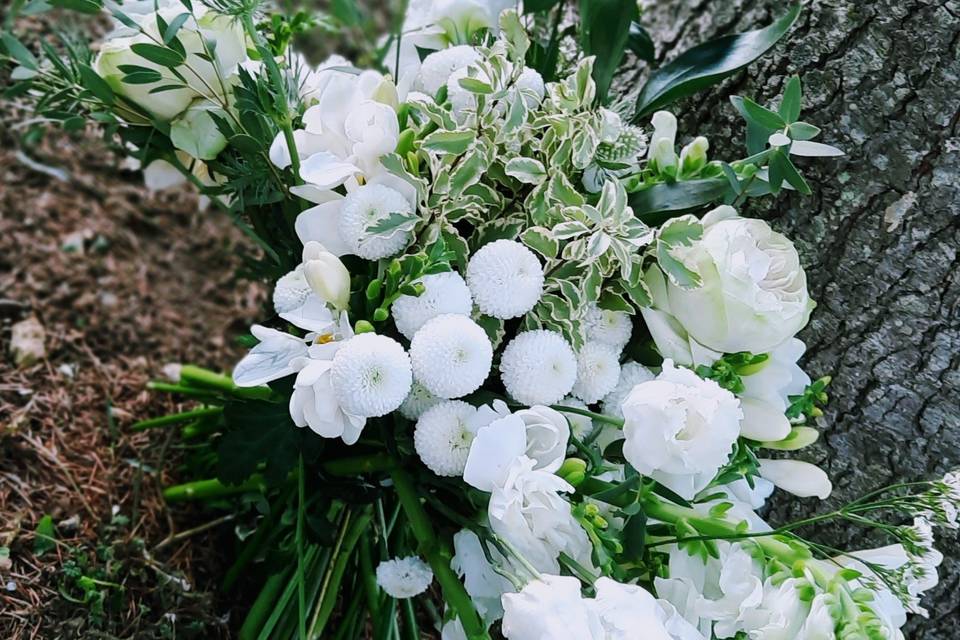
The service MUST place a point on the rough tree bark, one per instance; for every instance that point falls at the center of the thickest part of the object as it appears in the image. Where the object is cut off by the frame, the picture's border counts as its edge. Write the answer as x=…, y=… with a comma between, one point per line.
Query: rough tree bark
x=879, y=238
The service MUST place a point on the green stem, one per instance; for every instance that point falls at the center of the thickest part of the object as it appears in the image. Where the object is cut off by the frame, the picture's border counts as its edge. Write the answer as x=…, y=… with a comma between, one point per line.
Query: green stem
x=167, y=387
x=175, y=418
x=330, y=590
x=371, y=590
x=599, y=417
x=301, y=584
x=199, y=377
x=263, y=605
x=438, y=556
x=213, y=488
x=346, y=467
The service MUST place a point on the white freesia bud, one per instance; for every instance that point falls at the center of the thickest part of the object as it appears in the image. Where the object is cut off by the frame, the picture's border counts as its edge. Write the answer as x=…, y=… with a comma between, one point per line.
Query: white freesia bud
x=797, y=477
x=680, y=429
x=661, y=151
x=328, y=278
x=754, y=291
x=693, y=157
x=196, y=132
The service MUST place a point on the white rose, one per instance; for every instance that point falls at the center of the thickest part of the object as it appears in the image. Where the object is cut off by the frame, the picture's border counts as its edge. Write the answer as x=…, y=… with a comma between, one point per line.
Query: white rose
x=201, y=76
x=680, y=429
x=754, y=292
x=549, y=607
x=195, y=132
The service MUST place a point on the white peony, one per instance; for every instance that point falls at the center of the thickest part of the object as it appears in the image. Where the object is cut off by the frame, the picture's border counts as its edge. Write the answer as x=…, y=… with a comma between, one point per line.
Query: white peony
x=442, y=293
x=538, y=367
x=754, y=292
x=404, y=577
x=680, y=429
x=451, y=355
x=505, y=278
x=196, y=132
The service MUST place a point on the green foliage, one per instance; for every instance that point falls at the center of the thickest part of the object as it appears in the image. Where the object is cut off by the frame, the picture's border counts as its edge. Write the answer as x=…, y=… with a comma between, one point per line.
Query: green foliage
x=808, y=404
x=605, y=28
x=45, y=536
x=727, y=371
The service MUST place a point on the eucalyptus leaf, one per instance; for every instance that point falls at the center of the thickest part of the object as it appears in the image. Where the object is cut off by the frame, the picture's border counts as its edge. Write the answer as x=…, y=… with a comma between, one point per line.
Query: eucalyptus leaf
x=709, y=63
x=792, y=100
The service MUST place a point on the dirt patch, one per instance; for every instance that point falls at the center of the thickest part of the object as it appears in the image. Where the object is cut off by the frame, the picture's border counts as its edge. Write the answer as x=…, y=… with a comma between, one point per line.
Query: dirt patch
x=123, y=282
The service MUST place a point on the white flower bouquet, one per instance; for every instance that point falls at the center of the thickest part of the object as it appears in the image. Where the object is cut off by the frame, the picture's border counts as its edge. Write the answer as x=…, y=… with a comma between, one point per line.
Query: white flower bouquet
x=519, y=346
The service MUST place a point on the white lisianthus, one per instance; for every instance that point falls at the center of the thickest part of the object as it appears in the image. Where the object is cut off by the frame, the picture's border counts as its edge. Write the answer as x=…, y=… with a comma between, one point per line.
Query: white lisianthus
x=484, y=585
x=202, y=78
x=680, y=429
x=444, y=433
x=609, y=327
x=797, y=477
x=371, y=375
x=547, y=434
x=624, y=609
x=451, y=355
x=442, y=293
x=753, y=295
x=404, y=577
x=631, y=374
x=538, y=367
x=598, y=371
x=505, y=278
x=781, y=614
x=195, y=131
x=270, y=359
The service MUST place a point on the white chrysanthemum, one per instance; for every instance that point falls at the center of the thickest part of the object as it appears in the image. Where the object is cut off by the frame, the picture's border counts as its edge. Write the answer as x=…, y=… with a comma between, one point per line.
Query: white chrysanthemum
x=609, y=327
x=580, y=426
x=451, y=355
x=437, y=67
x=505, y=278
x=538, y=367
x=598, y=370
x=417, y=401
x=404, y=577
x=443, y=435
x=365, y=206
x=296, y=302
x=291, y=291
x=371, y=375
x=443, y=293
x=631, y=374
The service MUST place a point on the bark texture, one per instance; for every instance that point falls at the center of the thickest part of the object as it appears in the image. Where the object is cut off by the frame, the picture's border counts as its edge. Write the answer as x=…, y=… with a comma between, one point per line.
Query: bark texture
x=879, y=237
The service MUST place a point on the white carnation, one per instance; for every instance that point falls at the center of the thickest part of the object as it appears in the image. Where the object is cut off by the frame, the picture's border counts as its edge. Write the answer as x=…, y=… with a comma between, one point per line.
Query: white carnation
x=404, y=577
x=371, y=375
x=631, y=374
x=443, y=436
x=506, y=279
x=443, y=293
x=451, y=355
x=538, y=367
x=417, y=401
x=598, y=370
x=680, y=429
x=609, y=327
x=366, y=206
x=437, y=67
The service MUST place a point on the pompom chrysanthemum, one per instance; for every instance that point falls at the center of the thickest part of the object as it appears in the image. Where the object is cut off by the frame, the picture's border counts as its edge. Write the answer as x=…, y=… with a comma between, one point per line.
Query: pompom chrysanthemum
x=437, y=67
x=580, y=426
x=505, y=278
x=291, y=291
x=443, y=293
x=598, y=370
x=366, y=206
x=371, y=375
x=609, y=327
x=404, y=577
x=443, y=435
x=538, y=367
x=451, y=355
x=631, y=374
x=417, y=401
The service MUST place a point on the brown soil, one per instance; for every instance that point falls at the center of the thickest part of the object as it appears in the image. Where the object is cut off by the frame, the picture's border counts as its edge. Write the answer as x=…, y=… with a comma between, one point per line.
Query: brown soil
x=153, y=284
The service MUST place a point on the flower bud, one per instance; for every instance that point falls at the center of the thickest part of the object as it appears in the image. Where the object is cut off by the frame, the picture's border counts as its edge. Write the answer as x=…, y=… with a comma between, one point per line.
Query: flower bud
x=799, y=478
x=328, y=278
x=693, y=157
x=570, y=467
x=662, y=155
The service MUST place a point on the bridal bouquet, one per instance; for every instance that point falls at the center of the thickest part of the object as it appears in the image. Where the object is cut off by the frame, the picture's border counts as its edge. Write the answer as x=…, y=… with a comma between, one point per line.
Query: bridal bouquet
x=527, y=370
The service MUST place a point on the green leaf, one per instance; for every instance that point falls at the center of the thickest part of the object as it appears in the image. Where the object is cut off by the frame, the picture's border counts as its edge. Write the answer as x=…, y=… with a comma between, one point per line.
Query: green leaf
x=395, y=222
x=125, y=19
x=604, y=32
x=531, y=6
x=90, y=7
x=19, y=52
x=709, y=63
x=45, y=536
x=171, y=31
x=640, y=42
x=95, y=84
x=474, y=85
x=803, y=131
x=781, y=162
x=142, y=77
x=789, y=108
x=158, y=55
x=634, y=536
x=660, y=202
x=540, y=240
x=526, y=170
x=455, y=142
x=345, y=11
x=761, y=115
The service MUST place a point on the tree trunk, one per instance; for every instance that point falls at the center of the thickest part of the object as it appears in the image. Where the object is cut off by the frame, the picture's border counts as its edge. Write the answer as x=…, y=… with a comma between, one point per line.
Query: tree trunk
x=879, y=237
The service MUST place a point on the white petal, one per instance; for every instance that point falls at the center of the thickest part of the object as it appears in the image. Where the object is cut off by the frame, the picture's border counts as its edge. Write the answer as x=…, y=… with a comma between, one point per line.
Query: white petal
x=493, y=450
x=312, y=315
x=320, y=224
x=269, y=360
x=762, y=421
x=326, y=171
x=814, y=150
x=799, y=478
x=315, y=195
